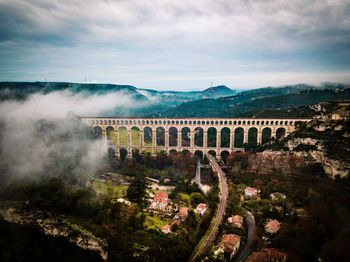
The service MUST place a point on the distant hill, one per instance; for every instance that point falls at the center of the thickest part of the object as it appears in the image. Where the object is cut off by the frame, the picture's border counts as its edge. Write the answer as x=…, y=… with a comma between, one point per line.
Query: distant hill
x=217, y=101
x=218, y=91
x=294, y=103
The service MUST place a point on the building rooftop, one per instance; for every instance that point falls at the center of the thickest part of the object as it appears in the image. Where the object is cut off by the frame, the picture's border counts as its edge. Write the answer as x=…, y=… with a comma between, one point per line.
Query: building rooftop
x=267, y=254
x=160, y=196
x=272, y=226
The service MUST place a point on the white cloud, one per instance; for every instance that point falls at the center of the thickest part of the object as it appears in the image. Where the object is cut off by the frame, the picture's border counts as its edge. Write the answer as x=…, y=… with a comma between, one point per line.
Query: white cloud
x=141, y=41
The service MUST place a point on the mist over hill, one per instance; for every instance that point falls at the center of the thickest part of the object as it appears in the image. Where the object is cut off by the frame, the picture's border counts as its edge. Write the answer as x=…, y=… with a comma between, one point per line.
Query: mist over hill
x=217, y=101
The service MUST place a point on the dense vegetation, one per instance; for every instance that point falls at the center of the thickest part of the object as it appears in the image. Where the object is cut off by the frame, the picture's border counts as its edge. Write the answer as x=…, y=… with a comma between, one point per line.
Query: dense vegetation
x=287, y=105
x=324, y=232
x=122, y=226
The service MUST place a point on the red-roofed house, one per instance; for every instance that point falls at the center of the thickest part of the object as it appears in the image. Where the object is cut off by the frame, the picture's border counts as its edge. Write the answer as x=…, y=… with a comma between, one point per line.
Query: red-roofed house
x=230, y=243
x=166, y=229
x=236, y=221
x=267, y=254
x=160, y=201
x=272, y=226
x=201, y=209
x=250, y=192
x=183, y=213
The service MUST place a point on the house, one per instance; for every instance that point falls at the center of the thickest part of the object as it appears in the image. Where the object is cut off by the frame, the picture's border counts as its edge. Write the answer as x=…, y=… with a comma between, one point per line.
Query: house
x=250, y=192
x=160, y=201
x=166, y=229
x=277, y=196
x=230, y=244
x=267, y=254
x=301, y=212
x=201, y=209
x=182, y=215
x=336, y=117
x=124, y=201
x=272, y=226
x=236, y=221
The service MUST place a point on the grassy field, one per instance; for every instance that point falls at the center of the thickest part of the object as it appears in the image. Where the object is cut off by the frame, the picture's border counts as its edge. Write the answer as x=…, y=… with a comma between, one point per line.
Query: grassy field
x=154, y=222
x=108, y=189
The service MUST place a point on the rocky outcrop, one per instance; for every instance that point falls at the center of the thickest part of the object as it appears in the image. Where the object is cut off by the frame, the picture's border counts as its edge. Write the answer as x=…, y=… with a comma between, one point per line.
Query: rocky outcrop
x=53, y=226
x=325, y=142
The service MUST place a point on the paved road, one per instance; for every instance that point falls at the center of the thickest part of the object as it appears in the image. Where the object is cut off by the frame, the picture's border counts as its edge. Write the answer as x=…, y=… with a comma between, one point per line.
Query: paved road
x=247, y=248
x=211, y=233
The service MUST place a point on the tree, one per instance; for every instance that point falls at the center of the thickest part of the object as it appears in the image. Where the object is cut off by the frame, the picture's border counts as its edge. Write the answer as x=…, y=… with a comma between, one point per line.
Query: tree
x=196, y=198
x=137, y=189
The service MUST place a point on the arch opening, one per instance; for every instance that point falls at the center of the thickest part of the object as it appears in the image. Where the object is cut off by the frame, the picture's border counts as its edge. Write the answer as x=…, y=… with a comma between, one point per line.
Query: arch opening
x=173, y=152
x=135, y=136
x=186, y=153
x=280, y=133
x=160, y=136
x=239, y=134
x=173, y=136
x=266, y=135
x=225, y=137
x=123, y=153
x=224, y=155
x=212, y=152
x=199, y=154
x=111, y=153
x=97, y=132
x=110, y=135
x=212, y=137
x=198, y=136
x=147, y=136
x=185, y=137
x=123, y=136
x=253, y=136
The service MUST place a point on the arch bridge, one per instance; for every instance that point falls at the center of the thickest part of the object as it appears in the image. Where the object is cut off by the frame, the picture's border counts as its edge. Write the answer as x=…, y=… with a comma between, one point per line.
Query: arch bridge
x=217, y=136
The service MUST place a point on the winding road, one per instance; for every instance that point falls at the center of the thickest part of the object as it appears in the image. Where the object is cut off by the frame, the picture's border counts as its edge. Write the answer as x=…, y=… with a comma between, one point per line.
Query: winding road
x=209, y=237
x=247, y=248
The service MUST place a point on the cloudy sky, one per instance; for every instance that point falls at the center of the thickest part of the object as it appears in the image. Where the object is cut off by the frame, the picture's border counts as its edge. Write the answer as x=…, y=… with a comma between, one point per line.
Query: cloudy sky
x=178, y=45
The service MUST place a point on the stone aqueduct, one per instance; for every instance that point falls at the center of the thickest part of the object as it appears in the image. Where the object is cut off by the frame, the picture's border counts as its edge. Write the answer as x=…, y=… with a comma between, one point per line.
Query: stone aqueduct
x=194, y=135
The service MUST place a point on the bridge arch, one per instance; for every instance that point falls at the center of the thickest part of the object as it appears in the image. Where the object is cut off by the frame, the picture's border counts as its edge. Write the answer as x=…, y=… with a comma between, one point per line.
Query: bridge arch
x=266, y=135
x=186, y=153
x=173, y=134
x=160, y=136
x=198, y=136
x=111, y=153
x=239, y=137
x=185, y=137
x=135, y=136
x=173, y=152
x=280, y=133
x=135, y=153
x=224, y=155
x=97, y=132
x=199, y=154
x=147, y=136
x=110, y=135
x=123, y=136
x=225, y=137
x=253, y=136
x=123, y=153
x=212, y=133
x=212, y=152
